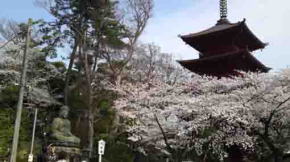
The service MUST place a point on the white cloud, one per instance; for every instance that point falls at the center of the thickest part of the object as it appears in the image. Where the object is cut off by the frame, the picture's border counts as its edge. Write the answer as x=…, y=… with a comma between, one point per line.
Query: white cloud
x=268, y=19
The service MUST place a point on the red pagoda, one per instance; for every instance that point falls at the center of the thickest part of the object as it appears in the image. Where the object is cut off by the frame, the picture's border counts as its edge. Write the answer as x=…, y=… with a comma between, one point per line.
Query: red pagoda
x=224, y=49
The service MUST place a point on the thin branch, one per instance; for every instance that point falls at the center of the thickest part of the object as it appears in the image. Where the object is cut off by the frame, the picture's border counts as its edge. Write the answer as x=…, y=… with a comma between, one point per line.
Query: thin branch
x=163, y=134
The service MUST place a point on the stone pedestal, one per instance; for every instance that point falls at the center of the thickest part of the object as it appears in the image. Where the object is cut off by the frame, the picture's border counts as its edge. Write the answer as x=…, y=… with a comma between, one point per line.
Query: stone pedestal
x=71, y=153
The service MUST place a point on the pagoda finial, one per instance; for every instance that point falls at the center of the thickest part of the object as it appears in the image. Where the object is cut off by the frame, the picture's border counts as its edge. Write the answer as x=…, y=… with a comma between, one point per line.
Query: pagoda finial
x=223, y=9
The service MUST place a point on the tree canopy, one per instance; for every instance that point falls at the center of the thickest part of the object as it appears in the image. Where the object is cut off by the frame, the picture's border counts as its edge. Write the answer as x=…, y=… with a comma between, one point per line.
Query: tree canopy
x=206, y=117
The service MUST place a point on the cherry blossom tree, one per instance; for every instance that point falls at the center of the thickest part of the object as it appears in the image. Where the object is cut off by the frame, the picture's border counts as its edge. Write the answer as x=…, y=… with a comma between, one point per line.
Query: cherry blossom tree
x=40, y=73
x=206, y=117
x=150, y=63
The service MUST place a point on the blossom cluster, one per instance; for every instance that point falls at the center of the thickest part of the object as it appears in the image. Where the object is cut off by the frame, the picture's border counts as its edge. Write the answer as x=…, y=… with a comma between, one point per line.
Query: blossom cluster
x=207, y=114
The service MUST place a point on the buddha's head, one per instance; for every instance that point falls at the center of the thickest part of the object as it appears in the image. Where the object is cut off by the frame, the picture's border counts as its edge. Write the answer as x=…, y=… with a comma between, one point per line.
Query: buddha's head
x=63, y=112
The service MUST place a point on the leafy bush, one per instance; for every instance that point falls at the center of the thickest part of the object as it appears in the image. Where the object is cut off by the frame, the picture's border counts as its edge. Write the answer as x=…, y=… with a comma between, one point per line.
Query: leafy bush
x=9, y=96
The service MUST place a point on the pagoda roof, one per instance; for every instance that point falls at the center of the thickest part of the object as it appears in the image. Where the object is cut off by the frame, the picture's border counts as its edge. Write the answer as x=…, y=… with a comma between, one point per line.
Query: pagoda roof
x=227, y=33
x=225, y=64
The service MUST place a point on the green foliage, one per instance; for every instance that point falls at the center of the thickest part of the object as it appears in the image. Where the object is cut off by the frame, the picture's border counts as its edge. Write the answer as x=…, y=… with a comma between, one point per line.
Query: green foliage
x=117, y=150
x=8, y=101
x=106, y=118
x=7, y=119
x=6, y=129
x=59, y=64
x=56, y=85
x=39, y=60
x=77, y=98
x=9, y=96
x=52, y=37
x=107, y=27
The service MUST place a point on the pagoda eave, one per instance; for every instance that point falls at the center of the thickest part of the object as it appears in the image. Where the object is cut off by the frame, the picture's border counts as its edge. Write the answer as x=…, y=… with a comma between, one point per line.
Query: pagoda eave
x=225, y=64
x=224, y=33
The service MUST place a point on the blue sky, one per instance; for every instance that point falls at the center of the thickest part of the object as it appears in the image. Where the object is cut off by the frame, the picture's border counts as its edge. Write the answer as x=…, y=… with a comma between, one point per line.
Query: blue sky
x=21, y=10
x=268, y=19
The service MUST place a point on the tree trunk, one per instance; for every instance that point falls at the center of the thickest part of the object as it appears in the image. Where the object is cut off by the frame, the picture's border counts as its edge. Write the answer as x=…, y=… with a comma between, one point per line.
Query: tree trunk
x=87, y=70
x=118, y=79
x=91, y=134
x=68, y=73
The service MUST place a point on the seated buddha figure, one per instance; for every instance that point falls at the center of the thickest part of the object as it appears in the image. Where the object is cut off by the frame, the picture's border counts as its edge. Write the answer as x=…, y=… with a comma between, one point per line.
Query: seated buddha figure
x=61, y=129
